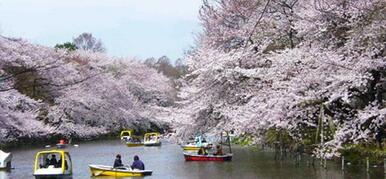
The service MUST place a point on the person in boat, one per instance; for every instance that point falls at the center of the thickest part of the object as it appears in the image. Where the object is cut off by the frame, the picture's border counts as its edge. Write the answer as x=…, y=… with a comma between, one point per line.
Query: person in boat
x=46, y=164
x=53, y=160
x=118, y=161
x=137, y=164
x=202, y=151
x=59, y=164
x=218, y=150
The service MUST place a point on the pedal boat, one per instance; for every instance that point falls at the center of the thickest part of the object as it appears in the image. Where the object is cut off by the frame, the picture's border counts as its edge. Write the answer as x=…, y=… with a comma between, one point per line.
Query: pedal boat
x=5, y=160
x=196, y=157
x=152, y=139
x=102, y=170
x=129, y=140
x=42, y=168
x=125, y=135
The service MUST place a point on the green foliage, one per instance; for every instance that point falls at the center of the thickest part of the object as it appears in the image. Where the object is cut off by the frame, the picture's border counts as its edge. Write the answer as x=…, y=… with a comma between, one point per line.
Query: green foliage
x=274, y=136
x=243, y=140
x=67, y=46
x=357, y=153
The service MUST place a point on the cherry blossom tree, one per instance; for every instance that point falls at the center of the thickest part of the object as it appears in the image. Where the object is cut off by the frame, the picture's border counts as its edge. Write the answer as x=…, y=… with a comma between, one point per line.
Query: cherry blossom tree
x=46, y=92
x=290, y=65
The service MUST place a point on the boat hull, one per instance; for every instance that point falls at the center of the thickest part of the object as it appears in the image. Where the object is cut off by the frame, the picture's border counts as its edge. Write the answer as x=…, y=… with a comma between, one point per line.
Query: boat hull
x=190, y=157
x=61, y=146
x=109, y=171
x=53, y=176
x=134, y=144
x=153, y=144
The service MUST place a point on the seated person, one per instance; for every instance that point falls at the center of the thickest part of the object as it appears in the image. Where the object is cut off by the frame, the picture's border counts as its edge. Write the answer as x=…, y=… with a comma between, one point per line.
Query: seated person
x=218, y=150
x=202, y=151
x=137, y=164
x=53, y=160
x=59, y=164
x=118, y=161
x=45, y=164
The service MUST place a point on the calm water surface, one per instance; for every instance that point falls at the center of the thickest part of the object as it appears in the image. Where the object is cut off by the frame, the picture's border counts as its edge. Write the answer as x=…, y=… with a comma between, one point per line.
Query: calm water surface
x=167, y=161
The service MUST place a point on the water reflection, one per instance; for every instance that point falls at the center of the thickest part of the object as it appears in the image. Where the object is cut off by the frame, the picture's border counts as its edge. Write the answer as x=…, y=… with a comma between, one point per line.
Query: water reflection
x=167, y=161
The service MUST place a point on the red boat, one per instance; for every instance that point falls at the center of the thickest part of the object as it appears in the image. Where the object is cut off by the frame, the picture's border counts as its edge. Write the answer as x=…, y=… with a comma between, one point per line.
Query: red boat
x=196, y=157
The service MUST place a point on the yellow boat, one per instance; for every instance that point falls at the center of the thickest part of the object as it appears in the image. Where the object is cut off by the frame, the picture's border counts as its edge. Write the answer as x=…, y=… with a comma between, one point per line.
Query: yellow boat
x=129, y=139
x=46, y=166
x=134, y=144
x=102, y=170
x=126, y=135
x=152, y=139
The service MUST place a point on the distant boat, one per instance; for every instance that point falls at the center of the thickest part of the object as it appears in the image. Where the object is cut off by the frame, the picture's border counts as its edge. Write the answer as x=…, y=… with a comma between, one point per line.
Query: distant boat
x=5, y=160
x=196, y=157
x=129, y=139
x=45, y=168
x=152, y=139
x=202, y=154
x=125, y=135
x=102, y=170
x=62, y=144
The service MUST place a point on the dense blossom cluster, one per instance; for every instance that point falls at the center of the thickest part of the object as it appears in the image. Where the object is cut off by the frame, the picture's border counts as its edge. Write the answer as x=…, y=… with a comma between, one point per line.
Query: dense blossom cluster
x=48, y=93
x=292, y=65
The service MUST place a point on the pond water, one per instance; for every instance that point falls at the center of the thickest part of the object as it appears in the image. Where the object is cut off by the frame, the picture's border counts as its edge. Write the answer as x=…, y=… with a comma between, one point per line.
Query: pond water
x=167, y=161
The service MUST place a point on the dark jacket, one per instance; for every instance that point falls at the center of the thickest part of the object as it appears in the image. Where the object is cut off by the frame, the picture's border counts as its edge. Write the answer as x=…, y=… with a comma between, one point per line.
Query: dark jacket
x=118, y=163
x=53, y=161
x=138, y=164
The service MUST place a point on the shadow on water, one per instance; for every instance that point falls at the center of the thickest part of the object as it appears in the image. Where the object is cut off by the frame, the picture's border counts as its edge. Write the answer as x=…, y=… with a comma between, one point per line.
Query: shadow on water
x=167, y=161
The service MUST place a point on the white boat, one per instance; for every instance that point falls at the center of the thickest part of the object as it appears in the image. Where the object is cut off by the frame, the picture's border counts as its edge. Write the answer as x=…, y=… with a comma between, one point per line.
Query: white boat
x=5, y=160
x=152, y=139
x=46, y=166
x=129, y=139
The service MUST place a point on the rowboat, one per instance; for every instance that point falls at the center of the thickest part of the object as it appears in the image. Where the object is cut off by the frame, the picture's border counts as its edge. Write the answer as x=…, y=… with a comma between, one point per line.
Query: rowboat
x=152, y=139
x=5, y=160
x=102, y=170
x=46, y=165
x=202, y=154
x=196, y=157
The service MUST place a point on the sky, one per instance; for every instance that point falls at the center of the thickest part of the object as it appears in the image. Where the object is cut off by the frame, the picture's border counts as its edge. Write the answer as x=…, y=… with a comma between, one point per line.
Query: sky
x=133, y=28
